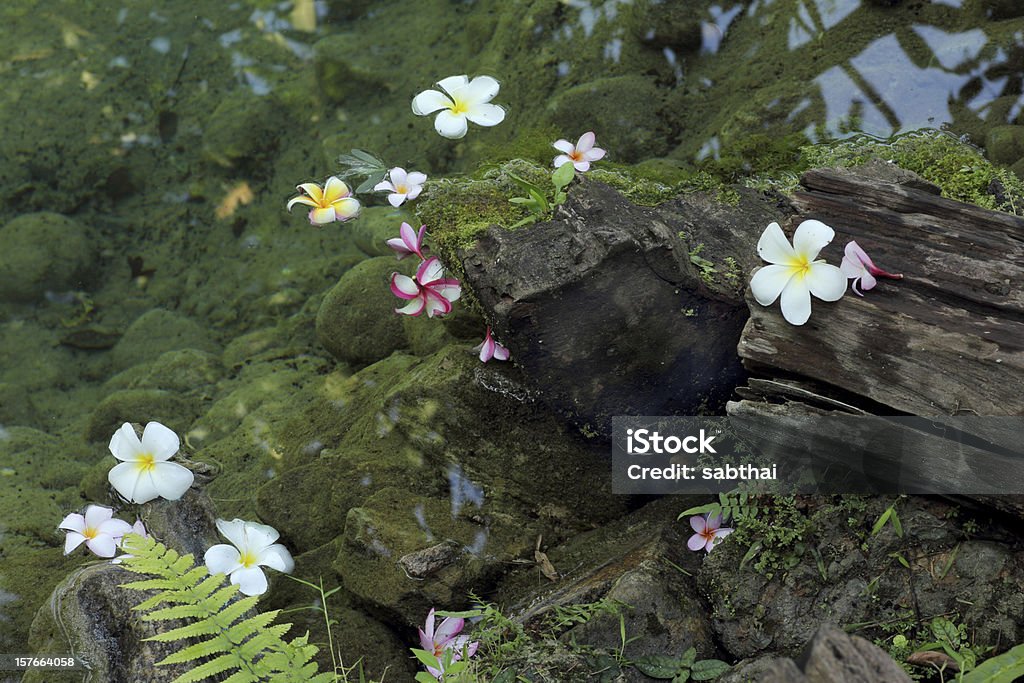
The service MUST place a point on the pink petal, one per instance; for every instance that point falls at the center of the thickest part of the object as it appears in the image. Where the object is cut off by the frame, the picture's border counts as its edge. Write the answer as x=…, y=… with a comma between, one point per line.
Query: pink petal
x=429, y=625
x=398, y=245
x=414, y=307
x=867, y=281
x=856, y=254
x=500, y=352
x=696, y=542
x=586, y=142
x=430, y=271
x=486, y=348
x=714, y=521
x=448, y=629
x=698, y=523
x=564, y=146
x=404, y=287
x=436, y=304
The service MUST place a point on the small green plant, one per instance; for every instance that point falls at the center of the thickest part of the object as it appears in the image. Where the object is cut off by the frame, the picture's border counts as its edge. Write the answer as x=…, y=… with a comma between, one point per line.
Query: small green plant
x=952, y=639
x=1004, y=668
x=360, y=163
x=252, y=647
x=537, y=201
x=891, y=517
x=681, y=669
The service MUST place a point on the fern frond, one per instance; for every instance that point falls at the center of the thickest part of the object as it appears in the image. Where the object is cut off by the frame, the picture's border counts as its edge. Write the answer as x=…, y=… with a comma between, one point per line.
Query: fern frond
x=231, y=660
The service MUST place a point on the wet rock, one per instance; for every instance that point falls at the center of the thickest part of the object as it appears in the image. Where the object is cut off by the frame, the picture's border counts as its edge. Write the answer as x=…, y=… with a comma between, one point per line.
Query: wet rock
x=376, y=225
x=670, y=25
x=609, y=291
x=831, y=656
x=345, y=67
x=242, y=130
x=628, y=562
x=141, y=406
x=41, y=252
x=187, y=371
x=1005, y=144
x=357, y=322
x=156, y=332
x=16, y=407
x=1004, y=9
x=633, y=127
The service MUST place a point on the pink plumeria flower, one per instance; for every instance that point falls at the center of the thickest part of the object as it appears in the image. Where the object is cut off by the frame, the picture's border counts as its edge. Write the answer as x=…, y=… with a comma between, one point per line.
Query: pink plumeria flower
x=401, y=185
x=580, y=154
x=857, y=266
x=446, y=637
x=489, y=349
x=332, y=203
x=709, y=532
x=409, y=243
x=429, y=291
x=98, y=529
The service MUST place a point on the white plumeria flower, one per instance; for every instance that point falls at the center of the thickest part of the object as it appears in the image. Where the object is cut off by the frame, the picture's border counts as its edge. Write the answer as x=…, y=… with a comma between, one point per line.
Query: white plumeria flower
x=401, y=185
x=100, y=532
x=253, y=547
x=580, y=154
x=461, y=100
x=145, y=473
x=794, y=274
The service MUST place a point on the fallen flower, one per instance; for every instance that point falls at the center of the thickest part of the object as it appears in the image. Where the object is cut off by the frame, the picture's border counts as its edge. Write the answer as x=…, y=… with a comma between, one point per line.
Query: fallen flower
x=580, y=154
x=446, y=637
x=145, y=473
x=709, y=532
x=98, y=529
x=409, y=243
x=138, y=529
x=857, y=266
x=252, y=547
x=332, y=203
x=429, y=291
x=794, y=274
x=461, y=100
x=401, y=185
x=489, y=348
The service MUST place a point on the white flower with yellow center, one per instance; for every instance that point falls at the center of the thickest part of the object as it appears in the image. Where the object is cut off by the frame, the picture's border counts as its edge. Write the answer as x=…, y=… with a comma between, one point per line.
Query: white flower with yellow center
x=97, y=528
x=144, y=473
x=462, y=100
x=794, y=274
x=252, y=547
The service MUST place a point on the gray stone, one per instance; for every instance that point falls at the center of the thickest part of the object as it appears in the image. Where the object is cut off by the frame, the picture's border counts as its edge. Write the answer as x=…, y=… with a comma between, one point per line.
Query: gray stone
x=41, y=252
x=357, y=322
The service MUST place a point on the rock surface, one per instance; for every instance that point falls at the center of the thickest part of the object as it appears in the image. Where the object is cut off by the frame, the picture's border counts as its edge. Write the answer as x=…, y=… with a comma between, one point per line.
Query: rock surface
x=43, y=252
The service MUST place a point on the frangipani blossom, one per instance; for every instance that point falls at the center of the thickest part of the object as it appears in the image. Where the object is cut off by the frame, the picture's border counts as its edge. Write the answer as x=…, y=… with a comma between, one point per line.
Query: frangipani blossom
x=489, y=348
x=709, y=532
x=145, y=473
x=794, y=274
x=409, y=243
x=98, y=529
x=857, y=266
x=446, y=637
x=139, y=529
x=580, y=154
x=401, y=185
x=462, y=100
x=252, y=547
x=332, y=203
x=429, y=291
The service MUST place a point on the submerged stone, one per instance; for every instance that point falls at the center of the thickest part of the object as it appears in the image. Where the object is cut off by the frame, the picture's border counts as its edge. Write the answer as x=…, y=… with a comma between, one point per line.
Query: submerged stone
x=44, y=252
x=156, y=332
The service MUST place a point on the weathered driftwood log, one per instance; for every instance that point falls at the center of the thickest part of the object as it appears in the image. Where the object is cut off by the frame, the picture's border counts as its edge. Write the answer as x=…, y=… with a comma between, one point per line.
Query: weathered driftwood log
x=946, y=341
x=605, y=310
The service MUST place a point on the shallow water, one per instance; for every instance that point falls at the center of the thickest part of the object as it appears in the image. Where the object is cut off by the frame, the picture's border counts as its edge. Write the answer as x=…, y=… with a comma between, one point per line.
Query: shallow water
x=172, y=138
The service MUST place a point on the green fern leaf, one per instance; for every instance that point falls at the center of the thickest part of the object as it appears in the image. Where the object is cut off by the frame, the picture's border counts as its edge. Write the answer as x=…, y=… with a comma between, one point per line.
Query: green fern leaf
x=213, y=667
x=243, y=677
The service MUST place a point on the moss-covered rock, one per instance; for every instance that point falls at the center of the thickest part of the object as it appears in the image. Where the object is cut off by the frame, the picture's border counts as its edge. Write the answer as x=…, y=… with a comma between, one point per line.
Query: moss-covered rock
x=156, y=332
x=1005, y=144
x=345, y=67
x=141, y=406
x=44, y=252
x=242, y=129
x=357, y=322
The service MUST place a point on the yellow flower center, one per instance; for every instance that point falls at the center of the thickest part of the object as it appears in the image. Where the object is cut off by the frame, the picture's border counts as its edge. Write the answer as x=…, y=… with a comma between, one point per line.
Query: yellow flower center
x=247, y=559
x=146, y=462
x=458, y=106
x=401, y=189
x=801, y=266
x=90, y=532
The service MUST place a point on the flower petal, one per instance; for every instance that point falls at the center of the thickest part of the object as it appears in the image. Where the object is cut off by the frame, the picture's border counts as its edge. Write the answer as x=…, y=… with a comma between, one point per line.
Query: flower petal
x=852, y=268
x=564, y=146
x=172, y=479
x=698, y=523
x=416, y=178
x=96, y=515
x=430, y=271
x=426, y=643
x=414, y=307
x=796, y=302
x=125, y=444
x=713, y=522
x=768, y=282
x=396, y=199
x=867, y=281
x=313, y=190
x=500, y=352
x=486, y=349
x=145, y=488
x=453, y=83
x=234, y=531
x=856, y=254
x=124, y=477
x=449, y=628
x=451, y=126
x=595, y=154
x=72, y=541
x=160, y=441
x=251, y=580
x=335, y=189
x=586, y=142
x=827, y=282
x=346, y=208
x=696, y=542
x=115, y=528
x=448, y=288
x=581, y=166
x=481, y=89
x=561, y=160
x=430, y=628
x=773, y=246
x=73, y=522
x=429, y=101
x=259, y=537
x=485, y=114
x=277, y=557
x=301, y=199
x=811, y=237
x=222, y=559
x=414, y=192
x=397, y=175
x=102, y=545
x=404, y=287
x=384, y=186
x=435, y=304
x=322, y=216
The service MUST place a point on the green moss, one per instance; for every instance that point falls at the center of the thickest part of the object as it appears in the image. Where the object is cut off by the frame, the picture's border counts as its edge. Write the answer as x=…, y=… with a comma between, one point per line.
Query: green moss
x=957, y=168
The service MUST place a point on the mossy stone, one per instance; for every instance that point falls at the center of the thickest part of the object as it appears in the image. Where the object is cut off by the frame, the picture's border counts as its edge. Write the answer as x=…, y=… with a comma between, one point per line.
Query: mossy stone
x=345, y=68
x=376, y=225
x=41, y=252
x=140, y=406
x=242, y=129
x=156, y=332
x=184, y=371
x=1005, y=144
x=357, y=322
